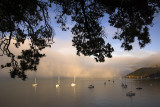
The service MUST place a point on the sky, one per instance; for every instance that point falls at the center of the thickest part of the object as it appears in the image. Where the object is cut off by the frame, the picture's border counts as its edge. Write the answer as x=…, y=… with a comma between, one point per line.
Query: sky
x=61, y=58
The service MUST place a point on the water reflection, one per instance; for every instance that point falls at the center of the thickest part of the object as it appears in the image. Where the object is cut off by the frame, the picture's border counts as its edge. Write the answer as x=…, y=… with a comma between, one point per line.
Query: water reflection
x=58, y=91
x=74, y=90
x=35, y=88
x=80, y=95
x=130, y=97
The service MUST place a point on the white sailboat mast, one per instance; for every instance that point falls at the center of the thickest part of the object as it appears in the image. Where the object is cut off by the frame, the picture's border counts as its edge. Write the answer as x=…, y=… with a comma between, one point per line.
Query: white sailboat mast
x=35, y=80
x=74, y=79
x=58, y=80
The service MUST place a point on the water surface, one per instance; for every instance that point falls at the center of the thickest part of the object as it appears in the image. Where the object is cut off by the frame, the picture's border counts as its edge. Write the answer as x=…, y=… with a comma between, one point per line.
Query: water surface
x=18, y=93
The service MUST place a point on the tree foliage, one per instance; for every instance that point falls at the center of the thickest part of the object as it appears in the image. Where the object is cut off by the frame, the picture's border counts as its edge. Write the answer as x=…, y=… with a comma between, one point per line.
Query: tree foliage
x=132, y=18
x=21, y=20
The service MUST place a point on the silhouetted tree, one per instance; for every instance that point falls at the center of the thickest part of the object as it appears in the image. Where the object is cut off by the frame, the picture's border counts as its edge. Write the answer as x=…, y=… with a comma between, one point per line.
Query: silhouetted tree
x=22, y=19
x=28, y=60
x=131, y=17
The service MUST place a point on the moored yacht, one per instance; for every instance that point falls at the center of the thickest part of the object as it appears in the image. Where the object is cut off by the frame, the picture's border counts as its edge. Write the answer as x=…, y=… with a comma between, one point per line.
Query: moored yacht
x=58, y=84
x=130, y=93
x=73, y=84
x=91, y=86
x=35, y=83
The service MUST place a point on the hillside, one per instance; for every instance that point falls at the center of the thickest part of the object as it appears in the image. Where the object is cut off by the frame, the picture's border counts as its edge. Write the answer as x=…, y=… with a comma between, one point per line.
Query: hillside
x=149, y=72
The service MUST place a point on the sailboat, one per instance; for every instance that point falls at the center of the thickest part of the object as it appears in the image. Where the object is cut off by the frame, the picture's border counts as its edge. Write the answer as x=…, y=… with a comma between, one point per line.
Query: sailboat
x=122, y=82
x=35, y=83
x=58, y=84
x=74, y=83
x=139, y=88
x=91, y=86
x=130, y=93
x=124, y=85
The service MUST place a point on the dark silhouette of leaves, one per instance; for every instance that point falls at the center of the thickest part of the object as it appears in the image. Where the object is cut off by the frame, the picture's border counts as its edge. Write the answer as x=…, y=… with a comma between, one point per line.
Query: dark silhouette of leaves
x=21, y=20
x=132, y=18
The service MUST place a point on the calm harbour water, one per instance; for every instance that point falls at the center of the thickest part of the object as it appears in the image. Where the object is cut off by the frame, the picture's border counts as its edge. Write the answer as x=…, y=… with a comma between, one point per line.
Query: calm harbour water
x=17, y=93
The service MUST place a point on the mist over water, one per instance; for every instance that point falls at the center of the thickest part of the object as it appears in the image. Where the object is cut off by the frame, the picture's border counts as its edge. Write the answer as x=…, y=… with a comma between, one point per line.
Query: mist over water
x=18, y=93
x=41, y=66
x=62, y=60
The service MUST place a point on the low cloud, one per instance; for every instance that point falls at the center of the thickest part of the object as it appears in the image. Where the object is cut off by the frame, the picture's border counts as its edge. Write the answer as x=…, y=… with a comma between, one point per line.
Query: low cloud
x=61, y=60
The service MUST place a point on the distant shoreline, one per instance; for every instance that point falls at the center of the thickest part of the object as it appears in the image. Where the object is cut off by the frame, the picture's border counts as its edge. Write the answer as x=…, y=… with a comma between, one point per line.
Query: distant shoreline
x=145, y=73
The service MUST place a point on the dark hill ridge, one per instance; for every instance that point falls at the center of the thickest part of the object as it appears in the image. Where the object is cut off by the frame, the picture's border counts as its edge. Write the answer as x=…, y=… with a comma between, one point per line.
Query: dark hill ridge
x=148, y=72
